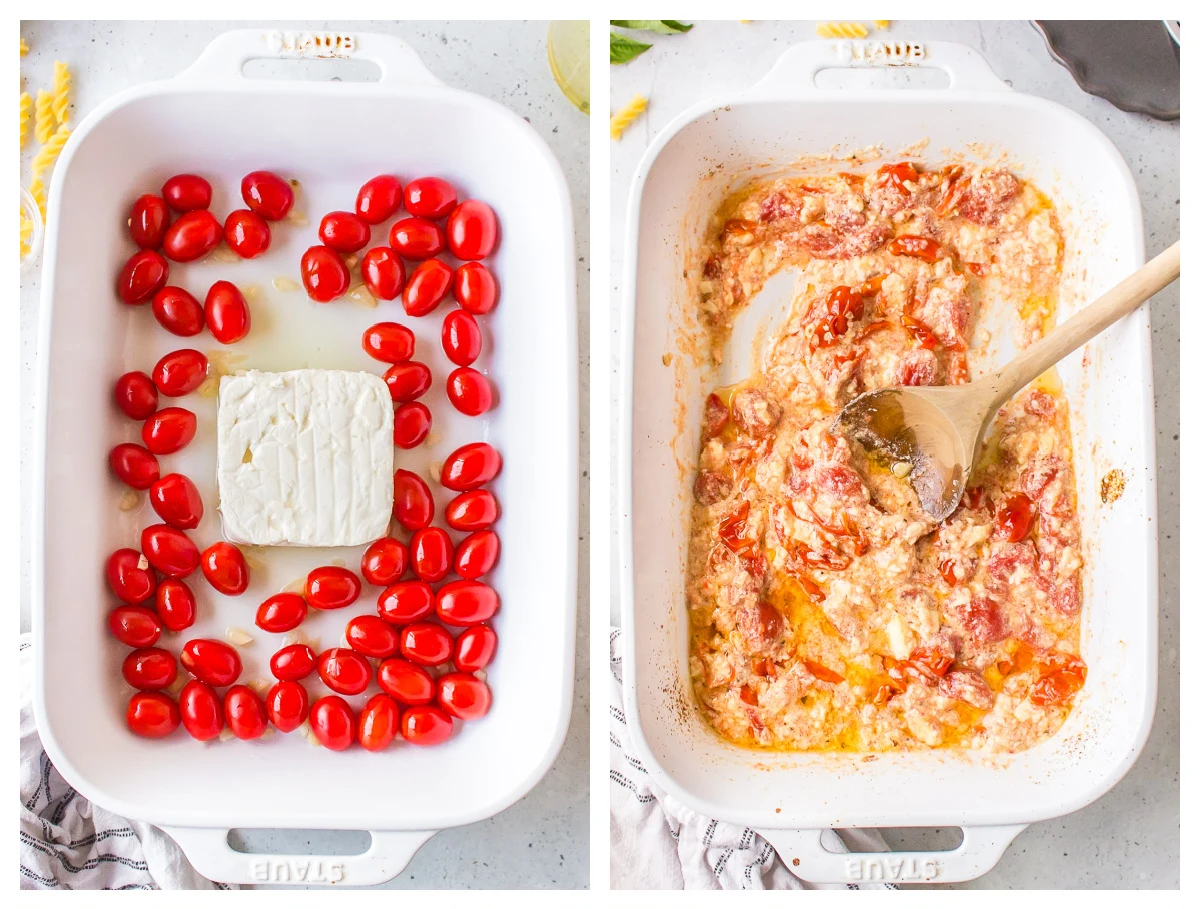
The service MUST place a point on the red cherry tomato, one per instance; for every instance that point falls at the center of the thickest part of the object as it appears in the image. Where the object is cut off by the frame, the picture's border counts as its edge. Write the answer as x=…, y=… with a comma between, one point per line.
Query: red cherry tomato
x=141, y=277
x=293, y=662
x=226, y=312
x=247, y=233
x=149, y=668
x=192, y=235
x=170, y=551
x=412, y=502
x=129, y=576
x=405, y=681
x=134, y=466
x=466, y=603
x=471, y=230
x=411, y=424
x=463, y=696
x=379, y=199
x=175, y=605
x=168, y=430
x=1014, y=519
x=281, y=612
x=344, y=671
x=245, y=712
x=477, y=555
x=332, y=722
x=152, y=714
x=406, y=602
x=136, y=626
x=177, y=501
x=180, y=372
x=432, y=553
x=178, y=312
x=201, y=710
x=408, y=381
x=469, y=391
x=475, y=288
x=426, y=725
x=388, y=342
x=372, y=636
x=148, y=220
x=136, y=395
x=429, y=197
x=470, y=466
x=378, y=723
x=384, y=562
x=426, y=644
x=212, y=662
x=226, y=569
x=426, y=287
x=474, y=648
x=331, y=587
x=324, y=274
x=461, y=338
x=267, y=194
x=474, y=510
x=383, y=272
x=344, y=231
x=417, y=238
x=187, y=192
x=287, y=705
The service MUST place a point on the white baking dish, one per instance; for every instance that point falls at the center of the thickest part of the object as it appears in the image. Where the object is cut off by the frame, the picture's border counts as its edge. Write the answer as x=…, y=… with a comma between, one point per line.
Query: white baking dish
x=788, y=796
x=332, y=136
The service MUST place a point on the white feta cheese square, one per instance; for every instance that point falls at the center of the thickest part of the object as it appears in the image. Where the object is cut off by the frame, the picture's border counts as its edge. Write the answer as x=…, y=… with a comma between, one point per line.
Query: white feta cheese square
x=304, y=458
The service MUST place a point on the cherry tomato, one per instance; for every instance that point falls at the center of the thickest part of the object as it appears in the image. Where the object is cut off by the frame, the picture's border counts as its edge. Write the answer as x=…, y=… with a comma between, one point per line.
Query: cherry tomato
x=175, y=604
x=412, y=502
x=1015, y=518
x=245, y=712
x=293, y=662
x=168, y=430
x=379, y=199
x=426, y=643
x=426, y=287
x=136, y=395
x=405, y=681
x=475, y=288
x=461, y=338
x=466, y=603
x=212, y=662
x=141, y=277
x=129, y=576
x=226, y=312
x=324, y=274
x=178, y=312
x=388, y=342
x=202, y=712
x=406, y=602
x=136, y=626
x=180, y=372
x=474, y=510
x=477, y=555
x=331, y=587
x=247, y=233
x=226, y=569
x=470, y=466
x=411, y=424
x=149, y=668
x=469, y=391
x=408, y=381
x=378, y=723
x=192, y=235
x=148, y=220
x=372, y=636
x=134, y=466
x=384, y=562
x=431, y=552
x=474, y=648
x=152, y=714
x=267, y=194
x=917, y=247
x=426, y=725
x=429, y=197
x=344, y=231
x=170, y=551
x=383, y=272
x=463, y=696
x=471, y=230
x=177, y=501
x=287, y=705
x=344, y=671
x=281, y=612
x=187, y=192
x=332, y=722
x=417, y=238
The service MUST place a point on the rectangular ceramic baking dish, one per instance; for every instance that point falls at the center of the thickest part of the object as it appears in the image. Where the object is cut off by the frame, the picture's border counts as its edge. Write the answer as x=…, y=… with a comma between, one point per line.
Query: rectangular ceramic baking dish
x=332, y=136
x=789, y=797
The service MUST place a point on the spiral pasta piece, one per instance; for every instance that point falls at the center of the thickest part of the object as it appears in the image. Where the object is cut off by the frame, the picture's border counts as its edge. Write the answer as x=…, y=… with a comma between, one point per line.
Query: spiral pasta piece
x=26, y=233
x=24, y=47
x=43, y=116
x=49, y=152
x=38, y=190
x=26, y=113
x=61, y=92
x=841, y=30
x=619, y=122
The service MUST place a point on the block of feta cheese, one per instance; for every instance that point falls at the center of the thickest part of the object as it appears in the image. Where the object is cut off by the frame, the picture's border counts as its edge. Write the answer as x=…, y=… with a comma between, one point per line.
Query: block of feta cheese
x=304, y=458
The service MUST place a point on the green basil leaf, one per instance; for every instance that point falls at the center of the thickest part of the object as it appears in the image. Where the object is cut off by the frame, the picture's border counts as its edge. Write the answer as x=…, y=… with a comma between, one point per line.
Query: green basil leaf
x=676, y=26
x=622, y=49
x=659, y=26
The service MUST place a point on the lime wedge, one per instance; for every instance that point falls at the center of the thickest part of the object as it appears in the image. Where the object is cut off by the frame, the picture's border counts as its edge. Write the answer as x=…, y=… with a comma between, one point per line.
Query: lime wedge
x=567, y=48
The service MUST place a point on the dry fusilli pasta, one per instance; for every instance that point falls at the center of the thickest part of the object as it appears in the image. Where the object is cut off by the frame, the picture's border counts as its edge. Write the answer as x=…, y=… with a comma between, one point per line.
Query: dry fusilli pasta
x=24, y=47
x=49, y=151
x=43, y=116
x=841, y=30
x=38, y=191
x=619, y=122
x=62, y=92
x=26, y=233
x=26, y=112
x=882, y=23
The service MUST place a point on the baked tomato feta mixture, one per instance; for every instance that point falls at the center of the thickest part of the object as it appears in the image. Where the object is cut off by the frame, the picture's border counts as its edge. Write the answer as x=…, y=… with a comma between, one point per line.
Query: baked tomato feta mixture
x=828, y=611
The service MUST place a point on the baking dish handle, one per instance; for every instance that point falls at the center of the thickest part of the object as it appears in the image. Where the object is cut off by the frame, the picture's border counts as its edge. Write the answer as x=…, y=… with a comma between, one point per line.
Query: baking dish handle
x=225, y=56
x=803, y=853
x=209, y=851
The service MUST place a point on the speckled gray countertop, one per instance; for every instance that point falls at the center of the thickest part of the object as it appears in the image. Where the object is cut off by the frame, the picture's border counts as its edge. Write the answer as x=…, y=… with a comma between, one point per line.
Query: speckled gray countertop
x=542, y=840
x=1130, y=837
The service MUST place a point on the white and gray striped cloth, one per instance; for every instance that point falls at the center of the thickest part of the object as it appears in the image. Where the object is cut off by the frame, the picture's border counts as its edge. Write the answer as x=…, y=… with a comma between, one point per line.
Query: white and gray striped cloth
x=658, y=844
